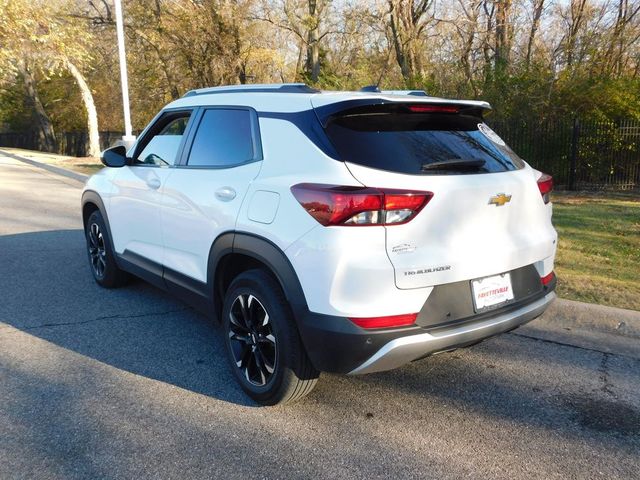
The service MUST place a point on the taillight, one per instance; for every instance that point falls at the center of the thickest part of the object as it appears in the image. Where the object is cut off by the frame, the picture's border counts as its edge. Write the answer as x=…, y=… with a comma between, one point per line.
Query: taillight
x=547, y=279
x=334, y=205
x=386, y=322
x=545, y=184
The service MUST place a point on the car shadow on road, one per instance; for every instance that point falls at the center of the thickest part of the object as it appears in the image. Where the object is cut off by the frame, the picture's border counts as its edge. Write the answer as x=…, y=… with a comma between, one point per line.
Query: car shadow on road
x=49, y=293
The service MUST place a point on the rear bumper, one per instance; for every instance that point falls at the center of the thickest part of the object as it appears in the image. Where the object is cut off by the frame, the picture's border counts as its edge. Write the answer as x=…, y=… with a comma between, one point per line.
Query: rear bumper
x=335, y=344
x=402, y=350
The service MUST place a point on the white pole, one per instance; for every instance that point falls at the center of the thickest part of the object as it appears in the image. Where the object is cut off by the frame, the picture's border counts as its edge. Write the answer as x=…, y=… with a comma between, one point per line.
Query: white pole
x=128, y=135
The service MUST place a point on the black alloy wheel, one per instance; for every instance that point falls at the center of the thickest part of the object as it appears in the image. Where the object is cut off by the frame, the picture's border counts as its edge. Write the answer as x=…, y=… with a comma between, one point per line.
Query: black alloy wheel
x=102, y=260
x=263, y=344
x=97, y=251
x=252, y=341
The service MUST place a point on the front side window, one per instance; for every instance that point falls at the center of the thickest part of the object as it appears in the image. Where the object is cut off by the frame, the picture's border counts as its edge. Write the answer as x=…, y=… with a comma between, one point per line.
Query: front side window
x=162, y=148
x=223, y=139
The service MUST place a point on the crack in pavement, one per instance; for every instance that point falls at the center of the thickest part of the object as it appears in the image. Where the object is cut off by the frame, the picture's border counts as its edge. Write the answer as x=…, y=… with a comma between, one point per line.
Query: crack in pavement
x=564, y=344
x=604, y=375
x=97, y=319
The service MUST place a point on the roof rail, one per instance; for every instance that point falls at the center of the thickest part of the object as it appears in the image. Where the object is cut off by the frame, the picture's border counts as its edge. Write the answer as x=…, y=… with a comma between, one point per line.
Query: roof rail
x=415, y=93
x=255, y=88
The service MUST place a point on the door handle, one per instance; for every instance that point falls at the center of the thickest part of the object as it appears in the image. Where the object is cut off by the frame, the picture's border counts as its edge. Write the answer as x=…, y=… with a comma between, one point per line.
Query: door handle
x=154, y=183
x=225, y=194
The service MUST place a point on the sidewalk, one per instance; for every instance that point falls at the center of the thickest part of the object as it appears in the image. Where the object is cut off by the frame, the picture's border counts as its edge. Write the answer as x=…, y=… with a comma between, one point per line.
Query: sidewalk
x=83, y=166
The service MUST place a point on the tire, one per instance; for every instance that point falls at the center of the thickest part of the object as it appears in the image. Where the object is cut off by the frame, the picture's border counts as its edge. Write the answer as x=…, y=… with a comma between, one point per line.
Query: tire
x=262, y=341
x=102, y=259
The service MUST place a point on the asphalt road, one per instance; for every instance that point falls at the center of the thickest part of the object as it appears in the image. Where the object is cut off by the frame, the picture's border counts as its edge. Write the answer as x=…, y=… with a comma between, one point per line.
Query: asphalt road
x=133, y=384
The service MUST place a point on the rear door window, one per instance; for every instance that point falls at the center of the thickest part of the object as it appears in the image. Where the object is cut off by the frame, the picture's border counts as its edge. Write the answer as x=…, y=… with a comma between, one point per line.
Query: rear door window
x=402, y=139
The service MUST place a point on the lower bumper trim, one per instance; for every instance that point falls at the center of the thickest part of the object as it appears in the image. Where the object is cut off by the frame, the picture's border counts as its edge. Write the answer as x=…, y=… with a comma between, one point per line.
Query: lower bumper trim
x=405, y=349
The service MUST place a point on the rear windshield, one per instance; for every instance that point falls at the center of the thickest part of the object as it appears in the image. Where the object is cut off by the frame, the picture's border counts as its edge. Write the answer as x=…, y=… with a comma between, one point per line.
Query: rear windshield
x=398, y=139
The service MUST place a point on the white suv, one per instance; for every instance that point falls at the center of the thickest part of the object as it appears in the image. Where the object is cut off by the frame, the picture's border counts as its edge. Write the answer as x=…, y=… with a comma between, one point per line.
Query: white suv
x=347, y=232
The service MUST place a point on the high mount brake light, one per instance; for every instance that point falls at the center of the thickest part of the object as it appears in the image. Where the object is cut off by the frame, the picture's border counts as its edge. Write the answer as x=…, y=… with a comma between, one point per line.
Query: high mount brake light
x=545, y=184
x=433, y=109
x=333, y=205
x=386, y=322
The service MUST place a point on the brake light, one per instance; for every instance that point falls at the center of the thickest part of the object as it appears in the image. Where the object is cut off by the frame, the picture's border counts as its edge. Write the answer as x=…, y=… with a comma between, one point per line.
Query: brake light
x=545, y=184
x=386, y=322
x=547, y=279
x=333, y=205
x=433, y=109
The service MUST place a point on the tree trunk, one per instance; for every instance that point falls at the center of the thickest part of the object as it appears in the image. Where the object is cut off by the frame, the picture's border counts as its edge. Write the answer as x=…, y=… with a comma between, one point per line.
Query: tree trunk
x=502, y=45
x=398, y=47
x=46, y=135
x=407, y=20
x=577, y=9
x=486, y=47
x=468, y=36
x=535, y=24
x=298, y=69
x=313, y=45
x=90, y=106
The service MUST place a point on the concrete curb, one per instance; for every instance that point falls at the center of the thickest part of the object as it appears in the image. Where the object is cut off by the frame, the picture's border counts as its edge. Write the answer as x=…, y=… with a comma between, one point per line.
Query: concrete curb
x=80, y=177
x=607, y=330
x=587, y=316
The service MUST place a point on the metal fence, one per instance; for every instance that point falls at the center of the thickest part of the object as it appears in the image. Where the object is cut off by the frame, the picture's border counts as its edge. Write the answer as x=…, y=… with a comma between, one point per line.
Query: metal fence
x=581, y=155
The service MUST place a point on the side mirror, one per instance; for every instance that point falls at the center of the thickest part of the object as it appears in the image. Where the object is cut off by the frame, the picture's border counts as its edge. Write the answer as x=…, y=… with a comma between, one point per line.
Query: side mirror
x=114, y=157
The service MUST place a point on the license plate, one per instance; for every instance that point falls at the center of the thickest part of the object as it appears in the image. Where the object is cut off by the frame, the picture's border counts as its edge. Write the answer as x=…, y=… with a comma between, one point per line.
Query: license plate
x=491, y=291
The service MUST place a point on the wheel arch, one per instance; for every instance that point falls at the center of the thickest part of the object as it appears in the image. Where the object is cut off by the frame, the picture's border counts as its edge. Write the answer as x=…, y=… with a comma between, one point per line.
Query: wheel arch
x=91, y=201
x=234, y=252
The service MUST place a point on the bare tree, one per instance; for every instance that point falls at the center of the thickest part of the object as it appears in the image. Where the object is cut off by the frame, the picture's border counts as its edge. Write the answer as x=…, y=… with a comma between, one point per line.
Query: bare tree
x=46, y=134
x=538, y=8
x=306, y=20
x=575, y=20
x=90, y=107
x=489, y=10
x=619, y=40
x=502, y=51
x=467, y=29
x=407, y=22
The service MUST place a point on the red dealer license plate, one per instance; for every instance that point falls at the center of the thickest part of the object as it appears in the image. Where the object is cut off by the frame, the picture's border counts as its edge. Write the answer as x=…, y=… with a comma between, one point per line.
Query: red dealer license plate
x=489, y=292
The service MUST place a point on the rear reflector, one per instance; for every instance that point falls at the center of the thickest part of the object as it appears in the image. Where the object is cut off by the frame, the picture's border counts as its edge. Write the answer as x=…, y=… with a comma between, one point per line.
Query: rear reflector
x=433, y=109
x=545, y=184
x=547, y=279
x=333, y=205
x=386, y=322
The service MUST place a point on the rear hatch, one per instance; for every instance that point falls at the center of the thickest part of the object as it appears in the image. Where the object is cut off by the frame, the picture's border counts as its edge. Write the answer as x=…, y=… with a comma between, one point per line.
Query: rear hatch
x=486, y=215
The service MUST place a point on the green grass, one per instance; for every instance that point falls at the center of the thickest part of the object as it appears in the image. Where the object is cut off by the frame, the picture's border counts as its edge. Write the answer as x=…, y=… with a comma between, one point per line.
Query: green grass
x=598, y=259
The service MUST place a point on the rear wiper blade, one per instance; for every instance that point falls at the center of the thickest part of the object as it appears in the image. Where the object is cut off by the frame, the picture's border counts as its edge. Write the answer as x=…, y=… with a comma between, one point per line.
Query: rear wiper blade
x=453, y=164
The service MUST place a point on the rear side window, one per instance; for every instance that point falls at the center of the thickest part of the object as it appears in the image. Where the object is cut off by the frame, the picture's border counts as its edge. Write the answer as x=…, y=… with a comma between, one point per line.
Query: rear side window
x=224, y=139
x=406, y=139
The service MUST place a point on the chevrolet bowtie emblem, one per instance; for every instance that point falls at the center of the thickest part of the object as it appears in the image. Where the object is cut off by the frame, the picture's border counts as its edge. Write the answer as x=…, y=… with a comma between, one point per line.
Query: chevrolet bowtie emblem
x=499, y=200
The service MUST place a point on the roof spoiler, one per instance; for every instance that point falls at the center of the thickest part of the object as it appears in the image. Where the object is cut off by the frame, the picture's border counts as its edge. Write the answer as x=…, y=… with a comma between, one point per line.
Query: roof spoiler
x=376, y=89
x=326, y=113
x=414, y=93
